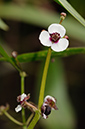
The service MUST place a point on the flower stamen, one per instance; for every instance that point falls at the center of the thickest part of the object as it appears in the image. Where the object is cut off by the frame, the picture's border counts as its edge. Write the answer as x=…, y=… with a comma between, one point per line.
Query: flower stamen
x=55, y=37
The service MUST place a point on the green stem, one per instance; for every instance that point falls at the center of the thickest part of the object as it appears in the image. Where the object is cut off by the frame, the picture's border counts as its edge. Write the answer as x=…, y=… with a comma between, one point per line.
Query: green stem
x=12, y=119
x=42, y=89
x=43, y=82
x=34, y=121
x=15, y=66
x=23, y=75
x=30, y=118
x=22, y=84
x=3, y=59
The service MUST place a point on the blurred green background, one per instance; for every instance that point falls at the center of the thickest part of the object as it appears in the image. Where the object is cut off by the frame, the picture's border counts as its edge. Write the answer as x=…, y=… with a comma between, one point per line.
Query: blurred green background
x=66, y=76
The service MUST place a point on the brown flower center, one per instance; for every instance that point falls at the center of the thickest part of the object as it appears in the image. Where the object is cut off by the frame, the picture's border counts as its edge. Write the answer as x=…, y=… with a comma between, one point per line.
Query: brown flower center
x=55, y=37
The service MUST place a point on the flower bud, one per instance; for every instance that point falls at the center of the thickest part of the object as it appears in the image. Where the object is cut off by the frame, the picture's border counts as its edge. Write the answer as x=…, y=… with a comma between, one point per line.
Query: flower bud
x=4, y=108
x=14, y=54
x=66, y=37
x=63, y=14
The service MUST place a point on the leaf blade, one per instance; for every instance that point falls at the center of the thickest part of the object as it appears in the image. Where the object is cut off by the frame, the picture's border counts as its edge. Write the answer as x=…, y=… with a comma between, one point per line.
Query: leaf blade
x=35, y=56
x=72, y=11
x=3, y=25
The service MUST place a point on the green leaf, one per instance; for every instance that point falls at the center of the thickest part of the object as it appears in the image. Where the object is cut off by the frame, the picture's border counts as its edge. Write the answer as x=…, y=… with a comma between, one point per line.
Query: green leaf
x=28, y=57
x=40, y=55
x=7, y=58
x=41, y=17
x=72, y=11
x=3, y=26
x=3, y=53
x=74, y=29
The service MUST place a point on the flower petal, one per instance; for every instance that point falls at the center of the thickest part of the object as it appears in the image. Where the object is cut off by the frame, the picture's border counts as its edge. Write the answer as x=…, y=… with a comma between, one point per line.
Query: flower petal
x=44, y=38
x=57, y=28
x=18, y=108
x=61, y=45
x=55, y=47
x=44, y=116
x=50, y=97
x=23, y=96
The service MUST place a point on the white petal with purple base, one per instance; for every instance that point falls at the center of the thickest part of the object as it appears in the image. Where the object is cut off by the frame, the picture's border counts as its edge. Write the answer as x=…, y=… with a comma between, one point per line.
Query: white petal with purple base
x=57, y=28
x=44, y=38
x=61, y=45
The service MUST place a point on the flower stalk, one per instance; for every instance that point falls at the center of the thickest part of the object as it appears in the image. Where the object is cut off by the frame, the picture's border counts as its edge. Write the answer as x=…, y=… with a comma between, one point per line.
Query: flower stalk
x=12, y=119
x=42, y=89
x=43, y=82
x=34, y=121
x=63, y=15
x=23, y=75
x=29, y=119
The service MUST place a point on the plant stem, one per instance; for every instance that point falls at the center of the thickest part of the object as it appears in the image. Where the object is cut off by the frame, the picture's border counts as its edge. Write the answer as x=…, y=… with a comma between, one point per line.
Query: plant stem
x=34, y=121
x=22, y=83
x=43, y=82
x=23, y=75
x=42, y=89
x=30, y=118
x=12, y=119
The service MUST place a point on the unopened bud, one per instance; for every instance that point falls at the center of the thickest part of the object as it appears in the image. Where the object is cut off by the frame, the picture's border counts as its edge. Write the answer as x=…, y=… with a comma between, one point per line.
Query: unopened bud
x=66, y=37
x=23, y=74
x=14, y=54
x=4, y=108
x=63, y=14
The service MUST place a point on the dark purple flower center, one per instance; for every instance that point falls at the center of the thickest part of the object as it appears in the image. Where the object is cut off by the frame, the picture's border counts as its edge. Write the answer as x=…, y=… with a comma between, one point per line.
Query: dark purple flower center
x=55, y=37
x=46, y=109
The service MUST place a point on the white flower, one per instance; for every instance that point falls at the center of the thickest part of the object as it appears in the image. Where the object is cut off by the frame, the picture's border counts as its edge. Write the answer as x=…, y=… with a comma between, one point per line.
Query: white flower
x=54, y=37
x=49, y=103
x=18, y=108
x=21, y=99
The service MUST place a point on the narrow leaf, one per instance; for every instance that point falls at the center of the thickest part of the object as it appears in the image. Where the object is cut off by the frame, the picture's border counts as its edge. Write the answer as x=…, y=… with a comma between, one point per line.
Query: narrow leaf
x=42, y=18
x=3, y=25
x=28, y=57
x=3, y=53
x=72, y=11
x=7, y=58
x=40, y=55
